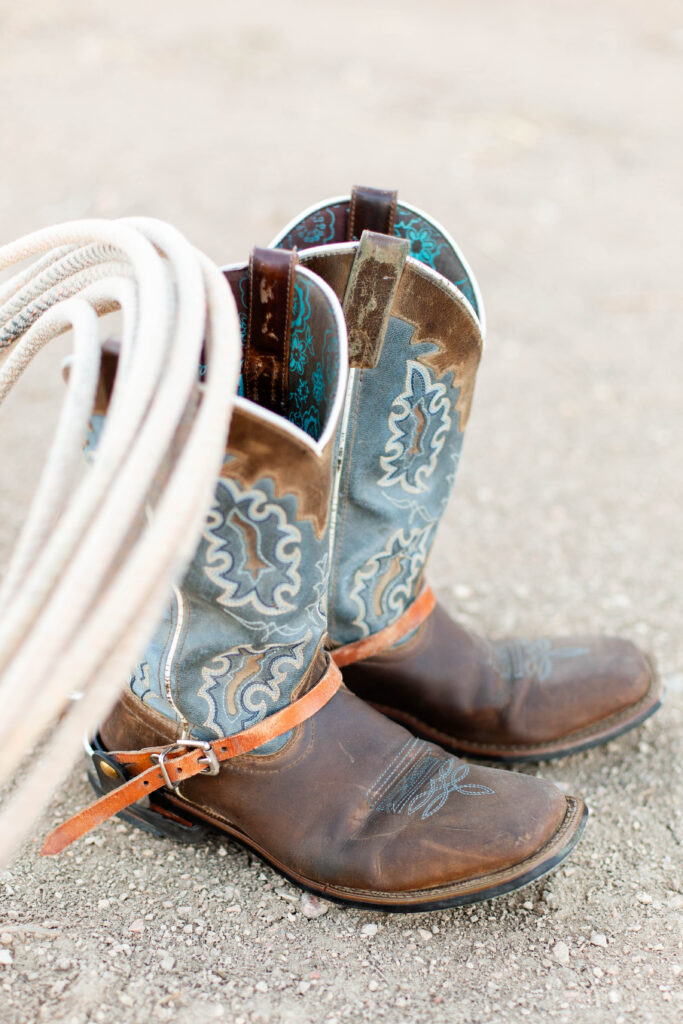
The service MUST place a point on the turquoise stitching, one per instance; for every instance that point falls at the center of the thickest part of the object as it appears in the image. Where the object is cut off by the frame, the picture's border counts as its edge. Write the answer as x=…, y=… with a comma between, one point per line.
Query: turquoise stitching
x=305, y=371
x=313, y=360
x=425, y=245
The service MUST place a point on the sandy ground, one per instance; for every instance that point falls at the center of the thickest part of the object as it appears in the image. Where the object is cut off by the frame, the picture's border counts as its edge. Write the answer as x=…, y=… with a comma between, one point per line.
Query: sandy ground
x=548, y=138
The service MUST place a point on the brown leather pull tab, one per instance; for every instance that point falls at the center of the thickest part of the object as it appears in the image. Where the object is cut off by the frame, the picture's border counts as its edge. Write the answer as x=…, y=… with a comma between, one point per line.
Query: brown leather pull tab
x=265, y=370
x=370, y=293
x=108, y=366
x=371, y=209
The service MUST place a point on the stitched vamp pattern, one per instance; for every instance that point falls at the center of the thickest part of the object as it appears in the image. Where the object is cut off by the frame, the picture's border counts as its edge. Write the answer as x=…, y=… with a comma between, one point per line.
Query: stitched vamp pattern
x=418, y=781
x=532, y=659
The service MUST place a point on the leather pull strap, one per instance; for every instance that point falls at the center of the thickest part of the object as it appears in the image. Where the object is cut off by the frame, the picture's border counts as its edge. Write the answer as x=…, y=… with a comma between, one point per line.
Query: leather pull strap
x=418, y=612
x=265, y=369
x=149, y=776
x=370, y=293
x=371, y=209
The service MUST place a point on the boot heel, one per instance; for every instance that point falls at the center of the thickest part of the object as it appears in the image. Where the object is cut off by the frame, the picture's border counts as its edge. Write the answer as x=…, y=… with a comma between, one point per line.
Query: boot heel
x=158, y=818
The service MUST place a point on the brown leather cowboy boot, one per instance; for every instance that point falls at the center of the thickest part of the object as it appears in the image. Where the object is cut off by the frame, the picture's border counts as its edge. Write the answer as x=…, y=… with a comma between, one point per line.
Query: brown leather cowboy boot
x=235, y=716
x=407, y=404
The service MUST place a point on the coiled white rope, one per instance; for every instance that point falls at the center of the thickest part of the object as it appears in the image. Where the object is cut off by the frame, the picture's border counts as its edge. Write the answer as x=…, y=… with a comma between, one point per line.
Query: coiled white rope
x=99, y=552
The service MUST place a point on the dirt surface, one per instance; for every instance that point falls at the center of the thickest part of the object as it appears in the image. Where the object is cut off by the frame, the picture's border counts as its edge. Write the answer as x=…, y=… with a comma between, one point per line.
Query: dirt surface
x=547, y=137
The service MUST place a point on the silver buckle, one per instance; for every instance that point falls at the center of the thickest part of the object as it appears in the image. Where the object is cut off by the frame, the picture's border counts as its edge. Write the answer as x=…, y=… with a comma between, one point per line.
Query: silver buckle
x=212, y=765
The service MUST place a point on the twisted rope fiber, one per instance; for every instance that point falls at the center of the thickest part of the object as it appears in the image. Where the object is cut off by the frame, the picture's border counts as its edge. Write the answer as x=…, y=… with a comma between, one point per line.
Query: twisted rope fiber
x=99, y=553
x=34, y=297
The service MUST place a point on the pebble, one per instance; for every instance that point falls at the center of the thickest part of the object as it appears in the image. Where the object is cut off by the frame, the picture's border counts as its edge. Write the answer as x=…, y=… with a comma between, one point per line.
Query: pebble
x=643, y=897
x=424, y=934
x=288, y=896
x=598, y=939
x=62, y=964
x=312, y=907
x=138, y=926
x=561, y=952
x=614, y=995
x=6, y=957
x=368, y=930
x=167, y=964
x=5, y=939
x=261, y=986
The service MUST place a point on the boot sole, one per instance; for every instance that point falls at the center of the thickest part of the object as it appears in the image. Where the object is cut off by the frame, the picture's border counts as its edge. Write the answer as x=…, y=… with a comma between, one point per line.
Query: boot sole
x=456, y=894
x=593, y=736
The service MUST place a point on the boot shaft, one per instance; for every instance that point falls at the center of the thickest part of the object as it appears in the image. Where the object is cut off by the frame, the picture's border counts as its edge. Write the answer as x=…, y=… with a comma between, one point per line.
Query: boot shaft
x=407, y=404
x=244, y=633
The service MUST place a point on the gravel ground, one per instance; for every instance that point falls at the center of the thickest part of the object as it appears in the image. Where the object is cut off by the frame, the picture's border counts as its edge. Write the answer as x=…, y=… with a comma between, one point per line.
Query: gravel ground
x=548, y=138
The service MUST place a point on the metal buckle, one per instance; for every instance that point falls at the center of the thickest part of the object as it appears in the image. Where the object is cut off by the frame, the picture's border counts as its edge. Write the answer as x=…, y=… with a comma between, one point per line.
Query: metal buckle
x=212, y=765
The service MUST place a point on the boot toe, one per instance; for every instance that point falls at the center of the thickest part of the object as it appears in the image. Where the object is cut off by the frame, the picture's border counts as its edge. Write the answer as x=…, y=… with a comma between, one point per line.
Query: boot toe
x=604, y=686
x=631, y=671
x=568, y=693
x=493, y=824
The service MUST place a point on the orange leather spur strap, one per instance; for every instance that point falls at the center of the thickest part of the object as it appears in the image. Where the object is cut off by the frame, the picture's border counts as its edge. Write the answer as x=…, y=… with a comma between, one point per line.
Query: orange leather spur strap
x=149, y=775
x=419, y=611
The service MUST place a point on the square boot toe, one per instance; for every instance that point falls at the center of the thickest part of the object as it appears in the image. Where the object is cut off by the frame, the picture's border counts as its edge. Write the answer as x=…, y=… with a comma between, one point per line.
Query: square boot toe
x=590, y=681
x=473, y=835
x=355, y=801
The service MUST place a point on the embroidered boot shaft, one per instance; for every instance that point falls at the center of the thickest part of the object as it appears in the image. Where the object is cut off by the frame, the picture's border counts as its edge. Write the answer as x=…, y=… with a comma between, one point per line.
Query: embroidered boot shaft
x=340, y=799
x=245, y=629
x=414, y=346
x=414, y=349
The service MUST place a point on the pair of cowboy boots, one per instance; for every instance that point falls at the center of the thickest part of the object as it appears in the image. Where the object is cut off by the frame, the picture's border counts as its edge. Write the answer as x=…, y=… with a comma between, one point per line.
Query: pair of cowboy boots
x=339, y=464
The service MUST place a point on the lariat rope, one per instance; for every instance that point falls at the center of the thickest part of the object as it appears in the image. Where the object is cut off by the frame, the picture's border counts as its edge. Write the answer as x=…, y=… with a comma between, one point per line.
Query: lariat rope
x=100, y=551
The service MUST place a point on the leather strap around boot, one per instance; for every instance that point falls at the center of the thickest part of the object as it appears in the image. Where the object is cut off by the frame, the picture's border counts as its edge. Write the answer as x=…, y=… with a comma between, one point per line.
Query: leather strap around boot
x=371, y=209
x=369, y=295
x=155, y=767
x=418, y=612
x=265, y=368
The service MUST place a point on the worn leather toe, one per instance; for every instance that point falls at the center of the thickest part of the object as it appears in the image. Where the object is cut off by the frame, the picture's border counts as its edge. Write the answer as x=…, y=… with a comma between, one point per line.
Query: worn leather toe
x=514, y=699
x=357, y=808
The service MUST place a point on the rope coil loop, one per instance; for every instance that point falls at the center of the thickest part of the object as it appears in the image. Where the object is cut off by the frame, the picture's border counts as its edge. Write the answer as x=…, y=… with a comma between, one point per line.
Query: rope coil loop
x=99, y=553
